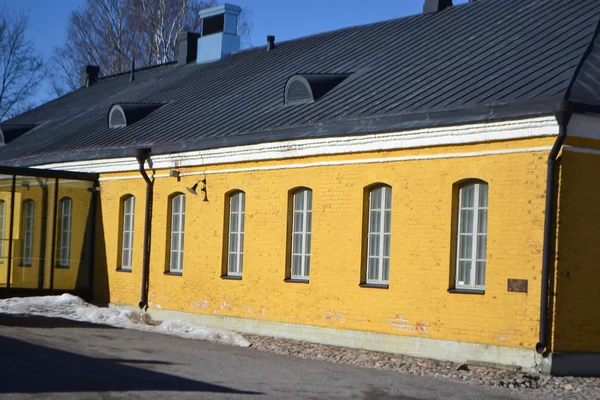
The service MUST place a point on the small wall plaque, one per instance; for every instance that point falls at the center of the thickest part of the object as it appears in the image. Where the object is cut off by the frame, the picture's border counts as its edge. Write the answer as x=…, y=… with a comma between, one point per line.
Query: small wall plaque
x=518, y=285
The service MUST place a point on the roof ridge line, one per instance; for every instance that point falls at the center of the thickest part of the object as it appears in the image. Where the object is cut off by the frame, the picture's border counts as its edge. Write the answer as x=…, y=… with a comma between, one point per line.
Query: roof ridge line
x=147, y=67
x=582, y=61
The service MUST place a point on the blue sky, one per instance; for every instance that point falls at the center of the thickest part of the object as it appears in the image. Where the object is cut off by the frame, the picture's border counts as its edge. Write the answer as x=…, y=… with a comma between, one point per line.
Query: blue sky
x=286, y=19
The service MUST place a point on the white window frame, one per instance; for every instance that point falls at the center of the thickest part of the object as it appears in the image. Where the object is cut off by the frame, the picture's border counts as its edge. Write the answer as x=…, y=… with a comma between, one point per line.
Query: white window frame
x=64, y=236
x=235, y=243
x=301, y=228
x=127, y=232
x=28, y=225
x=377, y=238
x=474, y=259
x=177, y=233
x=2, y=229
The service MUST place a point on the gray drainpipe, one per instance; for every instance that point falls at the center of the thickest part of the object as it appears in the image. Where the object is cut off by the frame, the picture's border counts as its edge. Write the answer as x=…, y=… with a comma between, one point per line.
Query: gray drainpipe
x=563, y=116
x=142, y=155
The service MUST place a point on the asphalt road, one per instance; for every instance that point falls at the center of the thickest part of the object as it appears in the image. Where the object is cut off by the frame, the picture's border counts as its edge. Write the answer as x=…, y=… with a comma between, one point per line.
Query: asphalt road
x=55, y=358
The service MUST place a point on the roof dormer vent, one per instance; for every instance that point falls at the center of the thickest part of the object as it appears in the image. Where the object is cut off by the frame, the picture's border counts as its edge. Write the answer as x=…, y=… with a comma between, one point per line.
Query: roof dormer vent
x=8, y=133
x=307, y=88
x=124, y=114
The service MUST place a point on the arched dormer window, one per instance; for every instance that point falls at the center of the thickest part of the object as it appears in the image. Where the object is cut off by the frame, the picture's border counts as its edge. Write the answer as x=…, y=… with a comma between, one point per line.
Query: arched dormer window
x=307, y=88
x=125, y=114
x=116, y=117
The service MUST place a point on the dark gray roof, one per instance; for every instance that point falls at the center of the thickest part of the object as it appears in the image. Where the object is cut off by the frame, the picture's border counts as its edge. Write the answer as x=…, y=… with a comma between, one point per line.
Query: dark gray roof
x=483, y=60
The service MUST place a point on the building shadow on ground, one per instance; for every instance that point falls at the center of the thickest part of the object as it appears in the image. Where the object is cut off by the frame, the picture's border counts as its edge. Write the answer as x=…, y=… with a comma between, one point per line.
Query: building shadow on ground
x=31, y=368
x=37, y=321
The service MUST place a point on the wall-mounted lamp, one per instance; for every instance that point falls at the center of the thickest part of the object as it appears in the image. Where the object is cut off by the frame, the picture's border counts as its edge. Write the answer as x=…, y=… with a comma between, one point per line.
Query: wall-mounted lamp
x=25, y=184
x=193, y=189
x=174, y=173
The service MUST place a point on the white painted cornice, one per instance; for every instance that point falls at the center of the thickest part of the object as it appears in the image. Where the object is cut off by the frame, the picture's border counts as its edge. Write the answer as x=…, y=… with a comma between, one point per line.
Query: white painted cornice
x=442, y=136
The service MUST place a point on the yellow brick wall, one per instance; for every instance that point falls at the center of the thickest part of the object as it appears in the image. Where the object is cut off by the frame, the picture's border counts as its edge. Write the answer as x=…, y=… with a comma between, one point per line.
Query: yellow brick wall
x=417, y=301
x=577, y=278
x=27, y=276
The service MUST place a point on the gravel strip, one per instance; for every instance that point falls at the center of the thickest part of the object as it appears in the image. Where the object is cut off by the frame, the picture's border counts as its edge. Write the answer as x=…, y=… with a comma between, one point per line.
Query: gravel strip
x=516, y=382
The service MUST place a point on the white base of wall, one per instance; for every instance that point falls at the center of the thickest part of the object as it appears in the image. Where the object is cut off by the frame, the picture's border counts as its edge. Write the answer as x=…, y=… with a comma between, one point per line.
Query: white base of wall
x=413, y=346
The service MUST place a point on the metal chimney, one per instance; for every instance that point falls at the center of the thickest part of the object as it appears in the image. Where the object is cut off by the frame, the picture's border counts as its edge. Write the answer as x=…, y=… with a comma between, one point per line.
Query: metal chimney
x=432, y=6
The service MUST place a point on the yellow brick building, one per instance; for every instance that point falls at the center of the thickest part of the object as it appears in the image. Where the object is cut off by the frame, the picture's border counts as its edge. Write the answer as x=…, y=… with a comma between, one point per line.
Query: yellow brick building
x=433, y=197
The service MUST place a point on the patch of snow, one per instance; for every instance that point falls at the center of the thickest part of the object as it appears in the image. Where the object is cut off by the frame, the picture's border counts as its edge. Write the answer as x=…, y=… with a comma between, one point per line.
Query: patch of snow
x=74, y=308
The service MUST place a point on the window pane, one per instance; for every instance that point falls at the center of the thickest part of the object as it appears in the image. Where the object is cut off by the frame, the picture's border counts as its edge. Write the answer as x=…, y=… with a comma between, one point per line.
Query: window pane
x=298, y=223
x=481, y=247
x=308, y=244
x=232, y=267
x=176, y=206
x=467, y=195
x=126, y=221
x=374, y=222
x=466, y=221
x=480, y=274
x=234, y=202
x=466, y=247
x=241, y=235
x=180, y=260
x=386, y=270
x=386, y=245
x=388, y=198
x=241, y=263
x=297, y=243
x=375, y=198
x=233, y=222
x=242, y=201
x=373, y=269
x=299, y=200
x=483, y=195
x=387, y=227
x=464, y=273
x=241, y=221
x=309, y=221
x=182, y=221
x=309, y=200
x=306, y=266
x=374, y=245
x=482, y=221
x=173, y=262
x=233, y=243
x=296, y=265
x=174, y=241
x=125, y=261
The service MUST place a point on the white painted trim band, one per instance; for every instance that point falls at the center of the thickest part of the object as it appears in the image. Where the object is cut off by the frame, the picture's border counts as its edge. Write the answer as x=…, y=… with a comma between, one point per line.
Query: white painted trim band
x=453, y=135
x=345, y=162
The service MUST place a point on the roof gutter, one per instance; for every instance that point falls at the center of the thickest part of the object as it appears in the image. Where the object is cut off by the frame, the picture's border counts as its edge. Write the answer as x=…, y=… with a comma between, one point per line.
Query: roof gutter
x=563, y=114
x=142, y=155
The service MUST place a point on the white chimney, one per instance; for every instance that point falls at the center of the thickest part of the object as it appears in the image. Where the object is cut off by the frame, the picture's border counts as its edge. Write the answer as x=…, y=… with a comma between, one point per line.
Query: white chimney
x=218, y=32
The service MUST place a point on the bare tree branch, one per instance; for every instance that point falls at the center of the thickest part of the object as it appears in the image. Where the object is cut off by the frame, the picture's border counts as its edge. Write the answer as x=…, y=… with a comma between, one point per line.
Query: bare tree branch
x=20, y=65
x=113, y=33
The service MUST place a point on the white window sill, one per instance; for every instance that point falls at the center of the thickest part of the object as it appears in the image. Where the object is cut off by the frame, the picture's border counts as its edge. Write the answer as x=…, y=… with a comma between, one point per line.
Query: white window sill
x=232, y=277
x=375, y=285
x=296, y=280
x=466, y=291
